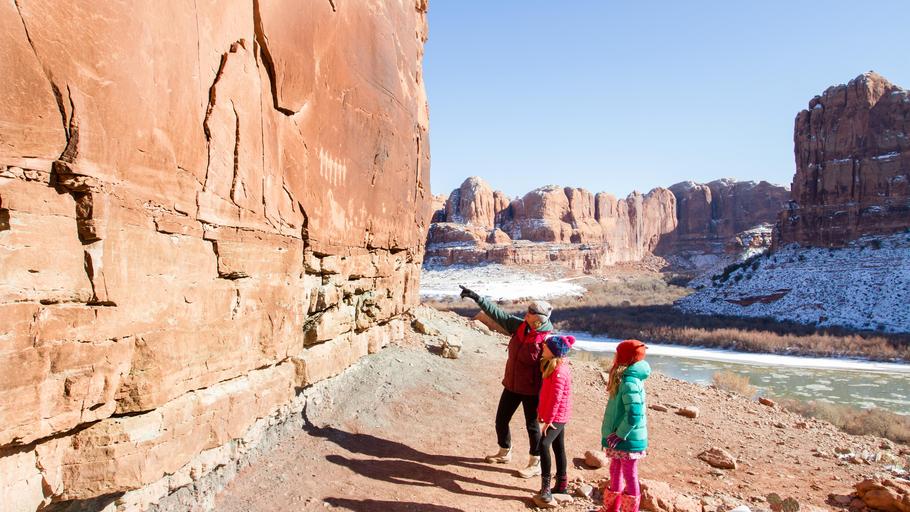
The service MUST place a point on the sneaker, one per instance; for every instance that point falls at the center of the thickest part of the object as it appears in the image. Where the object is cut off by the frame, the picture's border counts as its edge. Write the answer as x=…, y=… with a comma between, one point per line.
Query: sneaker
x=501, y=457
x=532, y=469
x=546, y=496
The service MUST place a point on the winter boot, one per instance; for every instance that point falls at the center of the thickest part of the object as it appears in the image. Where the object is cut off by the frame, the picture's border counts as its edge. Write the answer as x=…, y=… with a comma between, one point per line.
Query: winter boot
x=501, y=457
x=532, y=469
x=612, y=501
x=562, y=484
x=629, y=503
x=545, y=495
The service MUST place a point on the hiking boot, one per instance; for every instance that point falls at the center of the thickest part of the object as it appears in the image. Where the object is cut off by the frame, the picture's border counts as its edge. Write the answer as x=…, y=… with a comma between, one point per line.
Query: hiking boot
x=501, y=457
x=532, y=469
x=612, y=501
x=629, y=503
x=562, y=485
x=545, y=495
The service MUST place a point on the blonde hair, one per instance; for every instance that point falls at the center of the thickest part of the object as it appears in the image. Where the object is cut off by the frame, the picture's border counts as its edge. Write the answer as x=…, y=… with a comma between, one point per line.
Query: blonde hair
x=616, y=374
x=548, y=366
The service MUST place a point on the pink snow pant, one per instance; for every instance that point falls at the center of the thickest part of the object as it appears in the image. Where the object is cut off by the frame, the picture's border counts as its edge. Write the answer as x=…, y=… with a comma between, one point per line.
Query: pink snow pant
x=624, y=469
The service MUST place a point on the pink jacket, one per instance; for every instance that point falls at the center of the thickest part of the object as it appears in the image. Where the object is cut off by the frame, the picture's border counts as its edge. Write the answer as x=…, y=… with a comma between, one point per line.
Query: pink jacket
x=555, y=404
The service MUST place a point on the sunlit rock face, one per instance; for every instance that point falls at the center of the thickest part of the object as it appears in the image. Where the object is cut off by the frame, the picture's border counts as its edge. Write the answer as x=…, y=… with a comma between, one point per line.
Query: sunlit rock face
x=852, y=164
x=204, y=207
x=720, y=219
x=568, y=226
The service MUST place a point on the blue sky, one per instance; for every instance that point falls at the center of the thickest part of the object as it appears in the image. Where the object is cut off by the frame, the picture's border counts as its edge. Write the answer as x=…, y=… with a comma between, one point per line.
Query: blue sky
x=630, y=95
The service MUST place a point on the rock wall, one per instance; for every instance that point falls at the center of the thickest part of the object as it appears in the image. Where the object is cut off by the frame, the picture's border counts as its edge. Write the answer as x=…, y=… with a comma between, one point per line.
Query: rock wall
x=852, y=165
x=571, y=226
x=721, y=218
x=204, y=207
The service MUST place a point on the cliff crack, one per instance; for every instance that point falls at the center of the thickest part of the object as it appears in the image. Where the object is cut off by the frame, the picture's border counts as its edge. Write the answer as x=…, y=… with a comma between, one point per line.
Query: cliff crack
x=236, y=173
x=263, y=41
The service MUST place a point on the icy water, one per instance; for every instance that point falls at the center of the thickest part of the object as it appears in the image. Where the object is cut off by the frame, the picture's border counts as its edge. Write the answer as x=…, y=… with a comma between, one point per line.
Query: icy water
x=844, y=381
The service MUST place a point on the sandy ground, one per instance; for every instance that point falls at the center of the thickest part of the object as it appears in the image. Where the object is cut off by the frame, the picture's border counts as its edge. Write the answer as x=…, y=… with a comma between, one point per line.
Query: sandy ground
x=406, y=430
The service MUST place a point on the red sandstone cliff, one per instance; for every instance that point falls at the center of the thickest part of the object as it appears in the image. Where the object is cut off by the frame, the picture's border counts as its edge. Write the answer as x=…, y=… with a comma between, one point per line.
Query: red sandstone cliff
x=720, y=217
x=204, y=206
x=571, y=226
x=852, y=149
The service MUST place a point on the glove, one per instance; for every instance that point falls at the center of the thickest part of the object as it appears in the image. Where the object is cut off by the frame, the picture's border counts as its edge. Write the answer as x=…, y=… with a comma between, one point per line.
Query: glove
x=613, y=440
x=470, y=294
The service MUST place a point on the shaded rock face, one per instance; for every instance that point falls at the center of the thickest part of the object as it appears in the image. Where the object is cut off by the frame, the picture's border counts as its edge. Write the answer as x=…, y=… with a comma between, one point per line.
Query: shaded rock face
x=571, y=226
x=718, y=218
x=204, y=207
x=852, y=149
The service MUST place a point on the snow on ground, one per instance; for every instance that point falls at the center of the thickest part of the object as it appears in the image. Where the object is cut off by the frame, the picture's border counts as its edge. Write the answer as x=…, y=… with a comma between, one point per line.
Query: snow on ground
x=589, y=343
x=863, y=286
x=498, y=282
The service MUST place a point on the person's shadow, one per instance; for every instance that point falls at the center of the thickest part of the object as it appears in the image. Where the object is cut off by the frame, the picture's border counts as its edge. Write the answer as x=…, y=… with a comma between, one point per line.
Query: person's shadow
x=400, y=464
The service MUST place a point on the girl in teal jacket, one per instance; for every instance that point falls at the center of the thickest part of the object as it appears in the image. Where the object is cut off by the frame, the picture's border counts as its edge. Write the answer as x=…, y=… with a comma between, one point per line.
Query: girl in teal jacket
x=624, y=433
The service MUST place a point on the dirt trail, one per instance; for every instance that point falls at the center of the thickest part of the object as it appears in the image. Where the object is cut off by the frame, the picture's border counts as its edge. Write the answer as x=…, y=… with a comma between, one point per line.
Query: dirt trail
x=406, y=430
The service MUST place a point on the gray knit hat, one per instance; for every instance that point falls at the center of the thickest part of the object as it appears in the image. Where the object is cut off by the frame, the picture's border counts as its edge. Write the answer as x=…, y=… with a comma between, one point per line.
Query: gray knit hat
x=540, y=308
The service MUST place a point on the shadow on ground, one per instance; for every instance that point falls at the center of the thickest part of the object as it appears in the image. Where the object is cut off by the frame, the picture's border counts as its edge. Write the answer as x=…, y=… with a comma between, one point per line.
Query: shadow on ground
x=400, y=464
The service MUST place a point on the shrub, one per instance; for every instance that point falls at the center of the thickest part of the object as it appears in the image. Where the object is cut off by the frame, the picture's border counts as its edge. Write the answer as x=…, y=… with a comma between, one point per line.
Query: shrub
x=875, y=421
x=731, y=381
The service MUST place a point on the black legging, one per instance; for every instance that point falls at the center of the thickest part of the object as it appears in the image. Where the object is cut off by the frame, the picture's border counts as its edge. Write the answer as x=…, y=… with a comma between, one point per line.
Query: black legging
x=508, y=404
x=555, y=436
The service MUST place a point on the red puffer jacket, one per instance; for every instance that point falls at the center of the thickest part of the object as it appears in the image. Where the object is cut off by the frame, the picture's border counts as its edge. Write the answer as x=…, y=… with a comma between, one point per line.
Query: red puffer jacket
x=556, y=396
x=522, y=374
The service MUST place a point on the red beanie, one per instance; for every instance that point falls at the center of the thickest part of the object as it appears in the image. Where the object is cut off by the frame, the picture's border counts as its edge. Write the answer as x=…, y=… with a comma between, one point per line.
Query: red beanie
x=628, y=352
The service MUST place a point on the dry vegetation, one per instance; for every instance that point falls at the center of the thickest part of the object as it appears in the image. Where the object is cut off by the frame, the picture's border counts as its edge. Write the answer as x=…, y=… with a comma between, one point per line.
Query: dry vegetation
x=639, y=305
x=876, y=422
x=731, y=381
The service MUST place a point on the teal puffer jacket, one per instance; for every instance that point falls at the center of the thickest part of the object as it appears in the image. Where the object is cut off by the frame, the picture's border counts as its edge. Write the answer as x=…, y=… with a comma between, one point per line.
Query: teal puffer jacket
x=625, y=413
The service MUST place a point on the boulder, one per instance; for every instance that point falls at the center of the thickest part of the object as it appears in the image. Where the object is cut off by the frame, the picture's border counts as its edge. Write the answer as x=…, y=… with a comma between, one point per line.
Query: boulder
x=660, y=497
x=885, y=495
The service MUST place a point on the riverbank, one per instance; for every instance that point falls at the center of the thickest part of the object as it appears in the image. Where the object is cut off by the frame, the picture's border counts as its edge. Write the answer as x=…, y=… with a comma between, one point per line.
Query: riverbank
x=634, y=303
x=406, y=429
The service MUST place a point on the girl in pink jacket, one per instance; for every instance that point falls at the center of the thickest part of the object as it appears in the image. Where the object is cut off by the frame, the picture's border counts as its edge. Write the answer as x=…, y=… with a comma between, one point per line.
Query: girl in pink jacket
x=553, y=411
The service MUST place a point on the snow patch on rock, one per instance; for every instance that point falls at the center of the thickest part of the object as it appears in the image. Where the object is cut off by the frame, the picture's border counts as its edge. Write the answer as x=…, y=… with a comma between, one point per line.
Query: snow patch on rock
x=865, y=285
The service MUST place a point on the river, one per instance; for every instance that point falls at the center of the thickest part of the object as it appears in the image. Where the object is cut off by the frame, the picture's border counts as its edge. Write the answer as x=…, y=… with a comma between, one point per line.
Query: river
x=854, y=382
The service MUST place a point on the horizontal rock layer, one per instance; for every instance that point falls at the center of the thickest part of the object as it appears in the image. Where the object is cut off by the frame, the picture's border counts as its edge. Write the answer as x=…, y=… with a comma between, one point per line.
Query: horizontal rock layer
x=204, y=207
x=852, y=149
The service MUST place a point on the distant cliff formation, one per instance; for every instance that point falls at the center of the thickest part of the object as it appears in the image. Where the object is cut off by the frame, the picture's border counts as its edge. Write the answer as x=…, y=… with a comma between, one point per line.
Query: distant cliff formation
x=572, y=226
x=721, y=217
x=699, y=223
x=852, y=164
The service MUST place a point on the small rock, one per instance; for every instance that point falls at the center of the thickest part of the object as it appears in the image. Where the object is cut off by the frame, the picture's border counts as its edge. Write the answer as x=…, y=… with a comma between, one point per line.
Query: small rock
x=541, y=504
x=596, y=459
x=658, y=407
x=886, y=445
x=423, y=327
x=802, y=425
x=584, y=491
x=766, y=401
x=841, y=499
x=451, y=350
x=689, y=411
x=718, y=458
x=841, y=450
x=563, y=499
x=741, y=508
x=780, y=425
